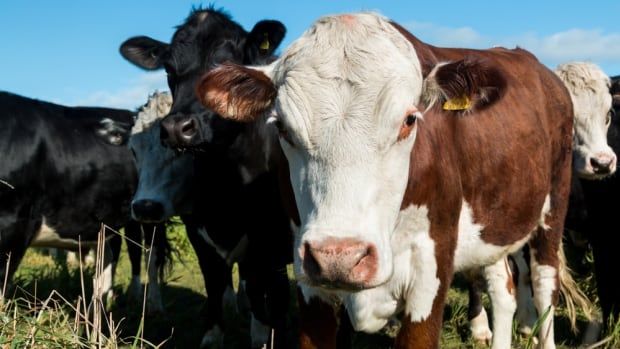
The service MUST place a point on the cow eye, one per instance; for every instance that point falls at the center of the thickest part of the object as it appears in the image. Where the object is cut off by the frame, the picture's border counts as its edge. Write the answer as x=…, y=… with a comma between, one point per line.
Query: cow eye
x=410, y=119
x=407, y=126
x=610, y=114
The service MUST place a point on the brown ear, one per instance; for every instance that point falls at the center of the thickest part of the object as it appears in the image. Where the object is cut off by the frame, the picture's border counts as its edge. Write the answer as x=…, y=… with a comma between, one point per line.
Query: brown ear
x=236, y=92
x=472, y=82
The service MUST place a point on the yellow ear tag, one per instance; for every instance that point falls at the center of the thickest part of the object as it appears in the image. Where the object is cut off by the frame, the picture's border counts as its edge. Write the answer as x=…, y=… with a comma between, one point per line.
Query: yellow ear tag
x=457, y=103
x=265, y=44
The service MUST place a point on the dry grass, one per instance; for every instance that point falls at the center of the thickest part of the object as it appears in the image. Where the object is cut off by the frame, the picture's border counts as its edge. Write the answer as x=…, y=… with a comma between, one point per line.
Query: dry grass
x=50, y=306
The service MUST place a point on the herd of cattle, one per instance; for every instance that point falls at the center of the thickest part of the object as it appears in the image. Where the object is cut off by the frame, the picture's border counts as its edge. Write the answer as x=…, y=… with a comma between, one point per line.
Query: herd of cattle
x=377, y=164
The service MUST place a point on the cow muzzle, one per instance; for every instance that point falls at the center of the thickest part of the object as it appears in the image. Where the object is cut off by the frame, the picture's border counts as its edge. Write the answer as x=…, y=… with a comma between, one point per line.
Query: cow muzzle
x=147, y=211
x=178, y=131
x=603, y=163
x=346, y=264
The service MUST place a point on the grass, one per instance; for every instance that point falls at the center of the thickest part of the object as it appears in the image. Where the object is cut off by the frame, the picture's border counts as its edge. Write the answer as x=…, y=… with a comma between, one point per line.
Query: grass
x=45, y=309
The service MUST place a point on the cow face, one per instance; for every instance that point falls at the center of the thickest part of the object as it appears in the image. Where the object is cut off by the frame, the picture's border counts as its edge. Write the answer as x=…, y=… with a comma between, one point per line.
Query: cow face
x=164, y=178
x=592, y=104
x=345, y=100
x=206, y=39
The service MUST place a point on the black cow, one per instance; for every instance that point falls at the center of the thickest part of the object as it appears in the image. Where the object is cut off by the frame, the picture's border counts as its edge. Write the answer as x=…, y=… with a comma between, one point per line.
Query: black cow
x=64, y=172
x=235, y=199
x=599, y=226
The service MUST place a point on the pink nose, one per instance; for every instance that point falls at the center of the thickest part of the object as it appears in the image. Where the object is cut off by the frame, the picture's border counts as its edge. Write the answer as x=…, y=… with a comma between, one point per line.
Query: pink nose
x=603, y=163
x=340, y=263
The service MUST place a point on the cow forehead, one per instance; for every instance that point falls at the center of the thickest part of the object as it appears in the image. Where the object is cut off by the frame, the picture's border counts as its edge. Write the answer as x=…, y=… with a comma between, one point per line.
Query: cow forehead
x=345, y=75
x=356, y=48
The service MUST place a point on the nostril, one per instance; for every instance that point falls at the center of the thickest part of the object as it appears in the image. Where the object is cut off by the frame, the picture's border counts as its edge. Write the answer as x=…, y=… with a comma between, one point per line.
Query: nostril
x=310, y=264
x=601, y=164
x=188, y=128
x=147, y=210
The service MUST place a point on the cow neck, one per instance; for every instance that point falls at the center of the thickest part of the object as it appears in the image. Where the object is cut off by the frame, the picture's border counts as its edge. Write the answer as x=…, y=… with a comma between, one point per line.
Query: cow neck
x=433, y=172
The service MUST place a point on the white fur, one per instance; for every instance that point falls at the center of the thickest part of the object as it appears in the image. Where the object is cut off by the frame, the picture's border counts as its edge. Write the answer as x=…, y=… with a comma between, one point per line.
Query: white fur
x=479, y=327
x=47, y=236
x=413, y=285
x=503, y=302
x=589, y=90
x=112, y=130
x=471, y=250
x=103, y=285
x=344, y=89
x=544, y=279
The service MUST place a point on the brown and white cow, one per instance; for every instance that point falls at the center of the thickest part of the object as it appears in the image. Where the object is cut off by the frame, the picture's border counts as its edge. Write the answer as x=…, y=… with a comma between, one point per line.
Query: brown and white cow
x=384, y=223
x=593, y=158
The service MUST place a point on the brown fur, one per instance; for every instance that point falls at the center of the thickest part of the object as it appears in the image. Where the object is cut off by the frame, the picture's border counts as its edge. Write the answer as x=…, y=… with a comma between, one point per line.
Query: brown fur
x=318, y=326
x=236, y=92
x=502, y=158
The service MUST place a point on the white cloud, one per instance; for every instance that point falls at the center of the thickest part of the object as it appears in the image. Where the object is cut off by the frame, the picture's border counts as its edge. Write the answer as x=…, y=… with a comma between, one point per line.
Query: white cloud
x=446, y=36
x=577, y=44
x=133, y=95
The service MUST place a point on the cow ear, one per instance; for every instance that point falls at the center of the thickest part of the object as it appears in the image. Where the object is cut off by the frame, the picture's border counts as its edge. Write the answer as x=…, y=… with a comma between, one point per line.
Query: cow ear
x=464, y=85
x=113, y=132
x=265, y=37
x=236, y=92
x=144, y=52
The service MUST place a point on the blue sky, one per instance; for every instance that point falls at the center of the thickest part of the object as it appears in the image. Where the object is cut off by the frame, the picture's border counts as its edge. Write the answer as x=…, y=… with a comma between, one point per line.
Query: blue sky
x=67, y=51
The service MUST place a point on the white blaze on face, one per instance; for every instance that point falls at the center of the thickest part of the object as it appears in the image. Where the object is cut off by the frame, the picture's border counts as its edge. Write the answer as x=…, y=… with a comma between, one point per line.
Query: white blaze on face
x=589, y=90
x=344, y=90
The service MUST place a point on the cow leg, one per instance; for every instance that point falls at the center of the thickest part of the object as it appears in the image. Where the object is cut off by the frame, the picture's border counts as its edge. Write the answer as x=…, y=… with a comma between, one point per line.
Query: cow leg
x=133, y=237
x=277, y=301
x=256, y=276
x=154, y=304
x=604, y=241
x=545, y=284
x=217, y=277
x=318, y=322
x=422, y=320
x=526, y=312
x=106, y=279
x=477, y=315
x=502, y=295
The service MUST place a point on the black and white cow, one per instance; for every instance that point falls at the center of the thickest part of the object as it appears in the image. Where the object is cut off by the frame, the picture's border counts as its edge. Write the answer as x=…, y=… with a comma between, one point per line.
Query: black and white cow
x=65, y=172
x=234, y=212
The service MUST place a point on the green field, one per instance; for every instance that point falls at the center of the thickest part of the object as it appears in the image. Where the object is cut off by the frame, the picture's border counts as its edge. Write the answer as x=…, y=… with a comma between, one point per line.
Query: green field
x=27, y=320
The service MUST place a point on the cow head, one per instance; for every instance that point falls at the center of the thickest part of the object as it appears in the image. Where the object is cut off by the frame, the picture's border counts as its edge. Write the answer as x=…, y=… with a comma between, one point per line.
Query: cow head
x=207, y=38
x=164, y=176
x=346, y=100
x=589, y=88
